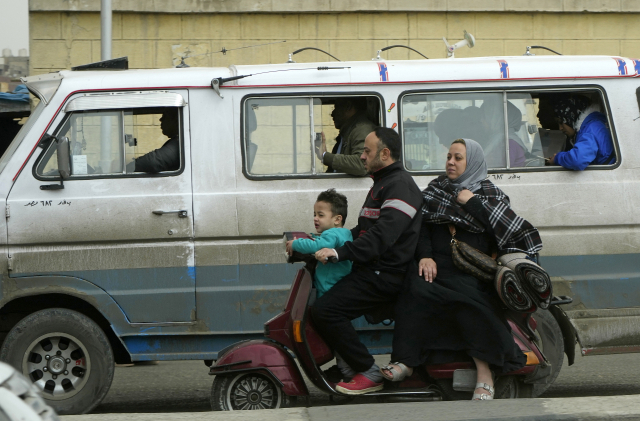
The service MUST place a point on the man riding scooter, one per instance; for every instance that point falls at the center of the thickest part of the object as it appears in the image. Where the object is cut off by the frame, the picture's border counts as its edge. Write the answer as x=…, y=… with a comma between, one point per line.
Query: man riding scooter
x=383, y=246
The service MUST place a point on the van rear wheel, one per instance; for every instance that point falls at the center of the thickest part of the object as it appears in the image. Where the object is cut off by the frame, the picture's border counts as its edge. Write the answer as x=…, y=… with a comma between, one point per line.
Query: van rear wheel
x=246, y=391
x=65, y=354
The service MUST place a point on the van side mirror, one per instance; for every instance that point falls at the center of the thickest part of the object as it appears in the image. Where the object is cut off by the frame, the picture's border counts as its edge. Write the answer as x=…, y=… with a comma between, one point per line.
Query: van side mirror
x=64, y=166
x=63, y=158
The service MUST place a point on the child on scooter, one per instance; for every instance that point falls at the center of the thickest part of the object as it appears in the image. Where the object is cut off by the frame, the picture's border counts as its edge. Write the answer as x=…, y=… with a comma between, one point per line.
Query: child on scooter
x=329, y=215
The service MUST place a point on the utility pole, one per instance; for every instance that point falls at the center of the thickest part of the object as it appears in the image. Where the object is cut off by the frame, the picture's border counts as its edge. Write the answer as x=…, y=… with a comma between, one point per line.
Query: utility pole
x=105, y=54
x=105, y=30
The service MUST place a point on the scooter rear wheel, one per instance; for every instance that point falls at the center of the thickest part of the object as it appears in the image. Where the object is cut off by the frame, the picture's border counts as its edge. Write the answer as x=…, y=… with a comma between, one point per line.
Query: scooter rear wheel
x=549, y=340
x=246, y=391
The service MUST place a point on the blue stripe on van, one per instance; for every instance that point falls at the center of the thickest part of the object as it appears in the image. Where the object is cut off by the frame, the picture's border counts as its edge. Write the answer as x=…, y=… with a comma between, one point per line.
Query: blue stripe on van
x=597, y=281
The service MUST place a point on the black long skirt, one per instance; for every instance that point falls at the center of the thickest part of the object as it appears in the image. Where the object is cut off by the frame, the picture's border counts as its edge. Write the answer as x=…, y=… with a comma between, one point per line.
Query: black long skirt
x=452, y=319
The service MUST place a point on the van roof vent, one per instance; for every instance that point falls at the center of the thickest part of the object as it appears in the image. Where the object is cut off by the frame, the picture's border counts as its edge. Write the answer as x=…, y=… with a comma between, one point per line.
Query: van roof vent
x=120, y=63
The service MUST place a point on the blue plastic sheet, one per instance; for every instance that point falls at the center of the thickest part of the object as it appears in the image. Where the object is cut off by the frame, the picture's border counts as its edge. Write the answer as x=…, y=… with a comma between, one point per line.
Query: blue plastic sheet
x=19, y=94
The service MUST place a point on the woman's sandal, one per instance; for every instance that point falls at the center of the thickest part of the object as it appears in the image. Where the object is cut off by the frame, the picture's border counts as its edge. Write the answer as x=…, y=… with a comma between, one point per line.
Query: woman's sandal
x=396, y=375
x=483, y=396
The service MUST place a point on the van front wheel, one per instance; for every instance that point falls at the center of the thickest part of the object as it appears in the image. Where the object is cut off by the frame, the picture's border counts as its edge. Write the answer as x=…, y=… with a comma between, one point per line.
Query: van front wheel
x=65, y=354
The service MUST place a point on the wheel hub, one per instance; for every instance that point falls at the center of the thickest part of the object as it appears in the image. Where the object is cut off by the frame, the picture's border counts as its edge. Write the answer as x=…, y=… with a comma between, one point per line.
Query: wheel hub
x=57, y=365
x=254, y=398
x=253, y=391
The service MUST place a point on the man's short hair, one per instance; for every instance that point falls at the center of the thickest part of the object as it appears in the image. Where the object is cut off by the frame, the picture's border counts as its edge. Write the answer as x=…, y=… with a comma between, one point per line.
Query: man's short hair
x=389, y=139
x=357, y=102
x=337, y=201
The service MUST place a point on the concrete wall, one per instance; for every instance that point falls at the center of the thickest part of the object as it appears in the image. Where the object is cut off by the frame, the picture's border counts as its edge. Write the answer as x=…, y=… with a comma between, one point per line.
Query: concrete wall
x=154, y=34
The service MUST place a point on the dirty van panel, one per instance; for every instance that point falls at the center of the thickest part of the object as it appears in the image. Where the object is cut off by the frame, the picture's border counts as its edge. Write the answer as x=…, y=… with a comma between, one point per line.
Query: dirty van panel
x=126, y=229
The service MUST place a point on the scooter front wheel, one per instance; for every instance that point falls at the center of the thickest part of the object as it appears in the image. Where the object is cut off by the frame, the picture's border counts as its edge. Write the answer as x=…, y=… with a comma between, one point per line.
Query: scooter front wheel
x=246, y=391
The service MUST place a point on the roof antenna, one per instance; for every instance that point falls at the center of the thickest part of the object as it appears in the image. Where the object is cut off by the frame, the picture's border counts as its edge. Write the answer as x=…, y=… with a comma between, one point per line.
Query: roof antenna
x=530, y=47
x=377, y=58
x=309, y=48
x=223, y=50
x=468, y=40
x=182, y=64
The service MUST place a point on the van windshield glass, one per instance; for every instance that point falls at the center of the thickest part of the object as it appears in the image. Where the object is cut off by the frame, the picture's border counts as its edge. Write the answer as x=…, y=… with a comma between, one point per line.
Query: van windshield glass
x=33, y=118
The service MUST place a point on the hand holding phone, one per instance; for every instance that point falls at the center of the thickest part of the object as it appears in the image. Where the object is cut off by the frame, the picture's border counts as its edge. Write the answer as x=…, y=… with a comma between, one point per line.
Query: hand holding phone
x=321, y=145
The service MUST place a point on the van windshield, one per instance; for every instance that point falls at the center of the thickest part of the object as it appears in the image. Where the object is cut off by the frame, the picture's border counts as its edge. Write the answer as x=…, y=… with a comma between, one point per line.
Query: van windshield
x=21, y=135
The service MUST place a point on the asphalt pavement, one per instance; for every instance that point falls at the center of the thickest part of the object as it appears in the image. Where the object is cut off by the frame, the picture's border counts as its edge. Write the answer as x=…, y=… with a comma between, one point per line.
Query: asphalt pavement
x=590, y=408
x=599, y=387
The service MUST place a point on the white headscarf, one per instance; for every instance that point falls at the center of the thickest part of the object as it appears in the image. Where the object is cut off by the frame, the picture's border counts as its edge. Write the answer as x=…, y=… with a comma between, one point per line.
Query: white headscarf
x=476, y=170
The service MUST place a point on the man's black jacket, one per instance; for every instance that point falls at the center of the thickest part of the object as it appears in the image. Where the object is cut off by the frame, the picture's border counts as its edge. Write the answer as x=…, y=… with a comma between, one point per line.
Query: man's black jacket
x=389, y=222
x=166, y=158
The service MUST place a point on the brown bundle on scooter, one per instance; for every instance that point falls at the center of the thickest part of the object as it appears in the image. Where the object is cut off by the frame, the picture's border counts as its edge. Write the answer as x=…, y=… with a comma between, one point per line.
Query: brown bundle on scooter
x=533, y=278
x=511, y=292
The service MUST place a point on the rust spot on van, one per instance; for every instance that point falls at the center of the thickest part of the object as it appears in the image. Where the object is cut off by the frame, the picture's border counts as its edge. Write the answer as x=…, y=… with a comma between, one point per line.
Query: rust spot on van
x=267, y=300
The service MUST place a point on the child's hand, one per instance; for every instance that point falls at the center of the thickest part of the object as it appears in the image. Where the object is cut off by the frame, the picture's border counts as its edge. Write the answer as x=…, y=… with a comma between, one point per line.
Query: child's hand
x=289, y=249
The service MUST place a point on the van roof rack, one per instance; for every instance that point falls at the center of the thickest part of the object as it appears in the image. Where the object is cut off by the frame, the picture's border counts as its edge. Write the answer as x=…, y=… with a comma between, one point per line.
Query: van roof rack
x=120, y=63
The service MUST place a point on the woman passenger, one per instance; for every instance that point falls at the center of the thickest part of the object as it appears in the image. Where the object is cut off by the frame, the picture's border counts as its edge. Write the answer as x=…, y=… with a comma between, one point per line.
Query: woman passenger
x=517, y=149
x=588, y=136
x=444, y=314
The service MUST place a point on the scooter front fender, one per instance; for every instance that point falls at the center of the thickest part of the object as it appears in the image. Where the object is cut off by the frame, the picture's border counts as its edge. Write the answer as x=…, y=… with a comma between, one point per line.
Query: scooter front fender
x=266, y=357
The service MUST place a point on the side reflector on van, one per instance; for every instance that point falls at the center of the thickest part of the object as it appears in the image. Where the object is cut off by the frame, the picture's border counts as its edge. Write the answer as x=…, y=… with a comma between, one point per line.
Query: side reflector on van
x=297, y=334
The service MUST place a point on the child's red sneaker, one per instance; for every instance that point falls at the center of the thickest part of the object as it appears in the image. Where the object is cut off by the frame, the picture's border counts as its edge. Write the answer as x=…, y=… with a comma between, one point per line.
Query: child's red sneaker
x=359, y=385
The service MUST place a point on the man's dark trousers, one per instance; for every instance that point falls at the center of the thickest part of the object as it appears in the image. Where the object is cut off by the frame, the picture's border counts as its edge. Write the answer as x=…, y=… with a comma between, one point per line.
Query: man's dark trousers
x=353, y=296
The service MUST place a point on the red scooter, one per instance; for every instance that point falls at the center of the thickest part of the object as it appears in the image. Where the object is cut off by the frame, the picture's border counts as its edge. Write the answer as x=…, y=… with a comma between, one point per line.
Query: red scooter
x=262, y=374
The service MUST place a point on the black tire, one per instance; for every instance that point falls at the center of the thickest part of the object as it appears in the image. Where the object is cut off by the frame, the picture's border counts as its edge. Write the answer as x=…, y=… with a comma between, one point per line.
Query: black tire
x=228, y=393
x=65, y=354
x=550, y=341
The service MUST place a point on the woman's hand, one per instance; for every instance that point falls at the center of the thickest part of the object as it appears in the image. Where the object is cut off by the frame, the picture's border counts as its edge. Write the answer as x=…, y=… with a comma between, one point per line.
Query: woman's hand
x=427, y=267
x=464, y=196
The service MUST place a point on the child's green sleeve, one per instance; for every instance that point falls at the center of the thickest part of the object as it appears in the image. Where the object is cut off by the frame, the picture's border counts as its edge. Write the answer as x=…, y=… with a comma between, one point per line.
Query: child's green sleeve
x=308, y=246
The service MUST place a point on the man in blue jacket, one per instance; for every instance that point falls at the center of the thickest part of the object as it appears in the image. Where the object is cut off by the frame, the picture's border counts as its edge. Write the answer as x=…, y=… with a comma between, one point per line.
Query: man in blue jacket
x=588, y=135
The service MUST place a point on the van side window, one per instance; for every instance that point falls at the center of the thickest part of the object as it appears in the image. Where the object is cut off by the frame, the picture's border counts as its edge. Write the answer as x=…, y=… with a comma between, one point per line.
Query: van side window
x=118, y=142
x=515, y=129
x=432, y=122
x=282, y=135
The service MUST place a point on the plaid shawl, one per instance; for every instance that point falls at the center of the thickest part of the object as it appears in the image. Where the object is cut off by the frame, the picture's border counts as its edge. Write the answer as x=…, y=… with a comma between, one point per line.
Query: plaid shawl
x=512, y=233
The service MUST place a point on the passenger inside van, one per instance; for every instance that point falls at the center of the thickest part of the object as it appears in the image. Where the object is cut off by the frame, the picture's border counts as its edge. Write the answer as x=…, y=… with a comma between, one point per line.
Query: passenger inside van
x=493, y=143
x=167, y=157
x=517, y=148
x=551, y=138
x=447, y=125
x=587, y=132
x=350, y=117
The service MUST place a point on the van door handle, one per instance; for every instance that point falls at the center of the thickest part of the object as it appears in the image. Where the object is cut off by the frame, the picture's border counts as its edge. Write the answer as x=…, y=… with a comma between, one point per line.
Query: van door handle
x=181, y=213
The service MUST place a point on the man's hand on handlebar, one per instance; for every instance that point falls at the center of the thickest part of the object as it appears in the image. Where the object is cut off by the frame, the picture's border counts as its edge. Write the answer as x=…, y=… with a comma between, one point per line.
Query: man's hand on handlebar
x=324, y=255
